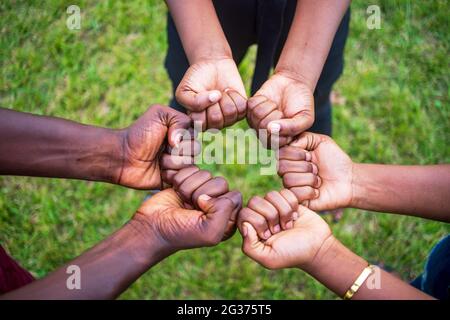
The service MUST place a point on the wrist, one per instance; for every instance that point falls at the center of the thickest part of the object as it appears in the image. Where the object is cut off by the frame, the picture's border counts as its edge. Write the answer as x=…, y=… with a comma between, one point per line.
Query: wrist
x=151, y=247
x=359, y=185
x=213, y=51
x=292, y=74
x=335, y=266
x=104, y=157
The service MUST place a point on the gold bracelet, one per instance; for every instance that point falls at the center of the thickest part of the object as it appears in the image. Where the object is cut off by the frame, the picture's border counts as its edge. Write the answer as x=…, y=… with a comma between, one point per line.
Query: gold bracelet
x=359, y=281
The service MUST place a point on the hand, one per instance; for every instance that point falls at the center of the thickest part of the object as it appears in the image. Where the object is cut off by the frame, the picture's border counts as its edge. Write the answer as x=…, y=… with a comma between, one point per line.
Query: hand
x=296, y=246
x=213, y=93
x=332, y=165
x=292, y=106
x=143, y=143
x=182, y=227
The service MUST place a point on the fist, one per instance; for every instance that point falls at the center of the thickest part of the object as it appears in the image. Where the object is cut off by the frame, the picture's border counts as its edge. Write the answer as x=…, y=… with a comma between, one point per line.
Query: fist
x=296, y=245
x=213, y=93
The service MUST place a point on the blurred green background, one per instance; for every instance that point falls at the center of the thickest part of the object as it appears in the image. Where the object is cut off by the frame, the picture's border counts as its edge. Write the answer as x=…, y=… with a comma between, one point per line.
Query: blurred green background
x=391, y=106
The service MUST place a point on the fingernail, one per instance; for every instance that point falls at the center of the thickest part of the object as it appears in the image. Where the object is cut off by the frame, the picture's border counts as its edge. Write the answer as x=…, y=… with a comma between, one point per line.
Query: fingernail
x=178, y=138
x=316, y=193
x=277, y=228
x=295, y=215
x=274, y=127
x=214, y=96
x=204, y=197
x=315, y=170
x=308, y=156
x=319, y=181
x=289, y=225
x=267, y=234
x=227, y=89
x=244, y=230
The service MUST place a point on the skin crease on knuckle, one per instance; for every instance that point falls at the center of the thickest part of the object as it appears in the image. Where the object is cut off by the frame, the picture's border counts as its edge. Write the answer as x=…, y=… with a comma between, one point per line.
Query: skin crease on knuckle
x=239, y=102
x=189, y=185
x=183, y=174
x=291, y=180
x=255, y=219
x=215, y=187
x=304, y=193
x=269, y=212
x=283, y=207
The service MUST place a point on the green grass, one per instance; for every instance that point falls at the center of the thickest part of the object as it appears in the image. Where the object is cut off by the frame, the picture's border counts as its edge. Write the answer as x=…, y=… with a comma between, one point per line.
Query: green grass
x=394, y=109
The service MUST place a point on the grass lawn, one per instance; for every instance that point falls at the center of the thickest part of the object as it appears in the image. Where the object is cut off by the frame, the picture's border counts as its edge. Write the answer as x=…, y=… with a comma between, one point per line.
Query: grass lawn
x=392, y=106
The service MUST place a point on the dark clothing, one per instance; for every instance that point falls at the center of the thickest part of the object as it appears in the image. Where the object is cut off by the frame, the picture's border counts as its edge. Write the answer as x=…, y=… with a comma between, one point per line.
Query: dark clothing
x=435, y=280
x=12, y=275
x=265, y=23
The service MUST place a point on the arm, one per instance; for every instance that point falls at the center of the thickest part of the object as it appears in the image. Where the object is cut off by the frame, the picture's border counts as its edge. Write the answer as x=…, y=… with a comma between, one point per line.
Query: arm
x=163, y=224
x=211, y=89
x=310, y=38
x=107, y=269
x=199, y=29
x=50, y=147
x=337, y=268
x=292, y=85
x=421, y=191
x=308, y=244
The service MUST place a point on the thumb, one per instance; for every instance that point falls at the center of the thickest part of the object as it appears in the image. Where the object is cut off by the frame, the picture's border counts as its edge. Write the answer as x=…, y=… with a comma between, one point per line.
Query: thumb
x=178, y=128
x=218, y=211
x=251, y=244
x=198, y=101
x=291, y=126
x=308, y=141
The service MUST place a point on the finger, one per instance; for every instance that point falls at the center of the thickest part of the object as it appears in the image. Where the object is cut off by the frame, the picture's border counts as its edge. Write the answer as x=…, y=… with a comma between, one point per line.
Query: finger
x=272, y=116
x=295, y=125
x=293, y=153
x=257, y=220
x=308, y=140
x=236, y=198
x=283, y=207
x=178, y=124
x=218, y=212
x=167, y=176
x=229, y=110
x=215, y=187
x=186, y=148
x=267, y=210
x=255, y=100
x=240, y=103
x=199, y=120
x=175, y=162
x=286, y=166
x=252, y=246
x=261, y=111
x=197, y=101
x=293, y=179
x=183, y=174
x=290, y=198
x=192, y=183
x=214, y=117
x=304, y=194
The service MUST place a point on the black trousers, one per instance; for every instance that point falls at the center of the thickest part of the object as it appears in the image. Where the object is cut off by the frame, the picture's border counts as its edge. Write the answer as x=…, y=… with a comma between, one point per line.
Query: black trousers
x=265, y=23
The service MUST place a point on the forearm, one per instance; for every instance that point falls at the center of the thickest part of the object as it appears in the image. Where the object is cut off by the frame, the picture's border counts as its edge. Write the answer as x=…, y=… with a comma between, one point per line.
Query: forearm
x=199, y=29
x=337, y=268
x=310, y=38
x=421, y=191
x=106, y=270
x=51, y=147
